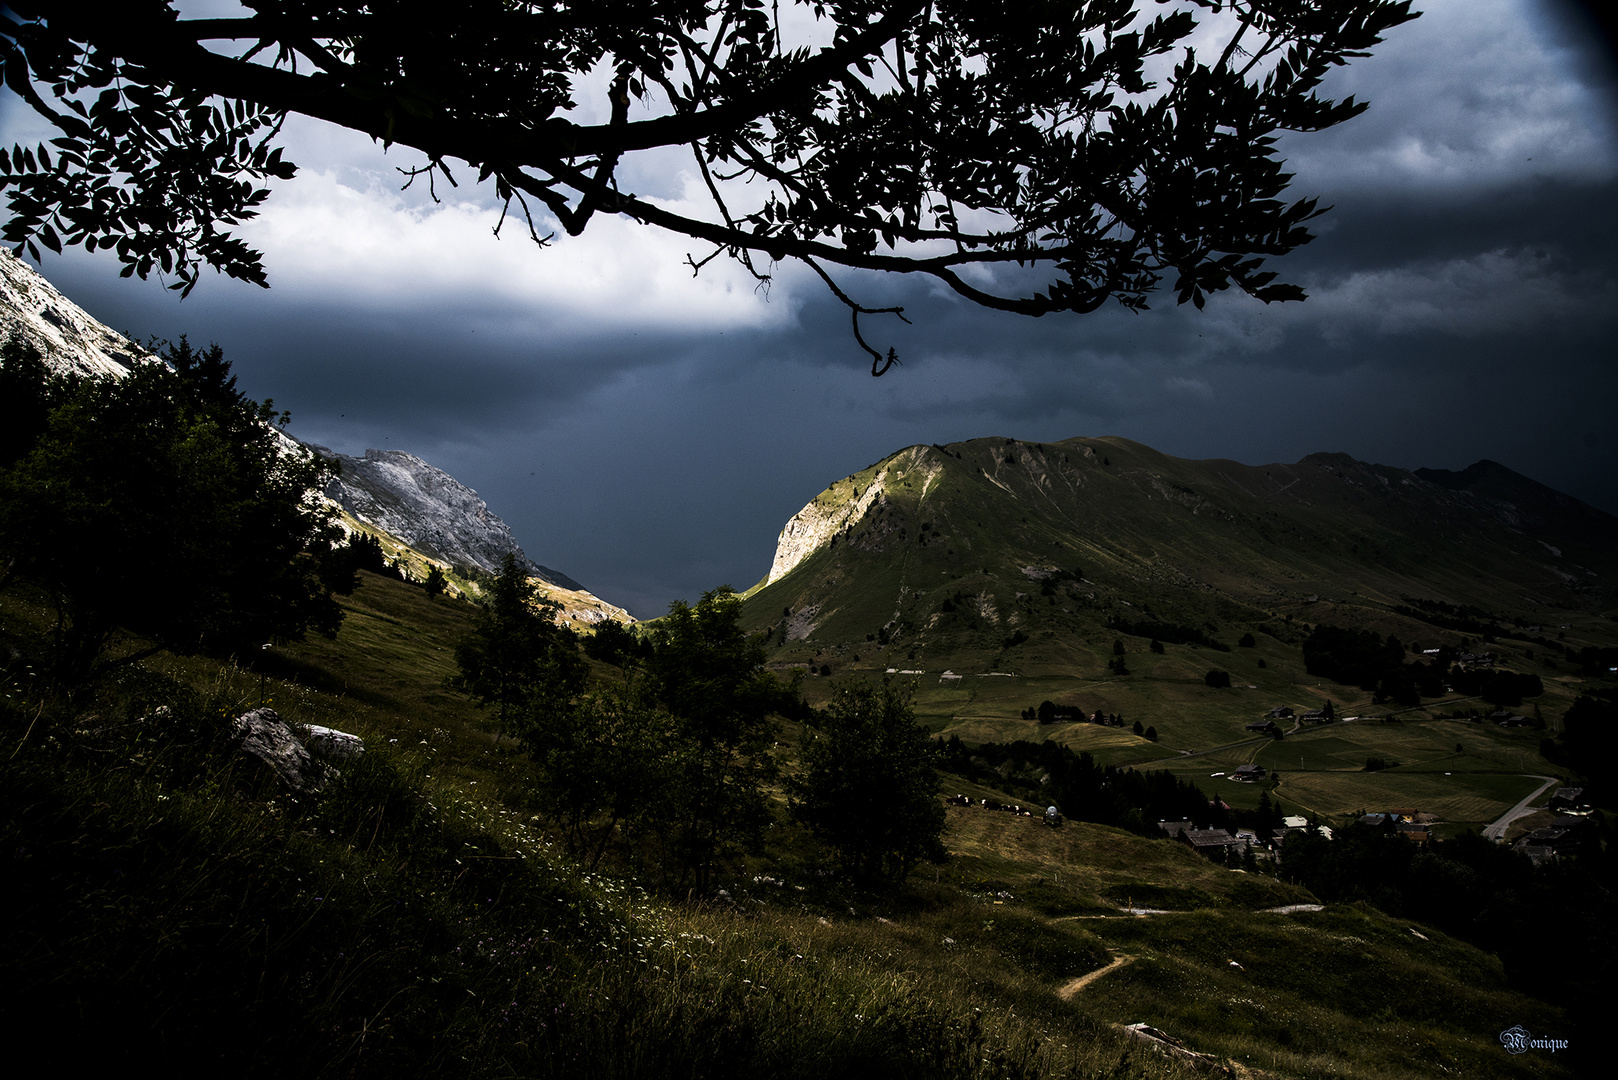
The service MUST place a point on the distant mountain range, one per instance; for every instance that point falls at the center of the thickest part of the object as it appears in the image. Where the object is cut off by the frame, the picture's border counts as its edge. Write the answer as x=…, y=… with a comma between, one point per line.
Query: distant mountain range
x=423, y=515
x=1038, y=555
x=430, y=510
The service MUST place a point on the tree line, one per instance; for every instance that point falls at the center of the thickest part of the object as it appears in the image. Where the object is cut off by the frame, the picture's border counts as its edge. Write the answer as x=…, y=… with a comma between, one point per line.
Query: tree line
x=167, y=503
x=1081, y=788
x=1365, y=659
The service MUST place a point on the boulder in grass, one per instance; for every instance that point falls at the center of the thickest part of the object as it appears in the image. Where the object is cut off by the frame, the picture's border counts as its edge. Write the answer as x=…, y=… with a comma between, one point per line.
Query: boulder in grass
x=265, y=736
x=333, y=745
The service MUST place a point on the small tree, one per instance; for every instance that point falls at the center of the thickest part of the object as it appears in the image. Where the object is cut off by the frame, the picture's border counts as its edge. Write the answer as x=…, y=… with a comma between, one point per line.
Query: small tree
x=1151, y=734
x=604, y=762
x=614, y=643
x=1218, y=680
x=517, y=658
x=166, y=502
x=709, y=676
x=435, y=584
x=26, y=390
x=868, y=788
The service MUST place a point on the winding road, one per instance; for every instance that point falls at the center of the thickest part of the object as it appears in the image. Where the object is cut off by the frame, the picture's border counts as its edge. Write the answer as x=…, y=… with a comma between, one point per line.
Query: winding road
x=1497, y=831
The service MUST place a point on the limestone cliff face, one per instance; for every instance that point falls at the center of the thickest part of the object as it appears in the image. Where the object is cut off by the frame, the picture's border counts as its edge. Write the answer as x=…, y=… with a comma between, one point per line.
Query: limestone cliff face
x=844, y=504
x=430, y=510
x=68, y=338
x=817, y=523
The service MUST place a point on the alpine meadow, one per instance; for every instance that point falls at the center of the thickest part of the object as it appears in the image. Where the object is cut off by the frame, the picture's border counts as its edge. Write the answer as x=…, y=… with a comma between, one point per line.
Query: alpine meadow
x=882, y=727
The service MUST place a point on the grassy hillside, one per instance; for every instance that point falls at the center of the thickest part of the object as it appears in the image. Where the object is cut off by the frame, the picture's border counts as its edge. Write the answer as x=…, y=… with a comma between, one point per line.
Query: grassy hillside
x=1000, y=574
x=169, y=905
x=964, y=545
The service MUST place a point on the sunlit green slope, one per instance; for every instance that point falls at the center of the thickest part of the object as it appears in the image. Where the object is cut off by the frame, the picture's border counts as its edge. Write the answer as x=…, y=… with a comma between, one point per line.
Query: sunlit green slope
x=996, y=555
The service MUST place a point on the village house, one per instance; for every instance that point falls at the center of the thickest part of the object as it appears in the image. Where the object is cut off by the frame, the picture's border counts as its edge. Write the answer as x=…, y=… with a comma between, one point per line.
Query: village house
x=1214, y=843
x=1414, y=831
x=1568, y=800
x=1553, y=842
x=1249, y=773
x=1294, y=827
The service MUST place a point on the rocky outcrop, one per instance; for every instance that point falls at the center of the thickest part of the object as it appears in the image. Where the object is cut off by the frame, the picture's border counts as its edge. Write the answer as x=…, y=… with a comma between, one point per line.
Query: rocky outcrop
x=816, y=524
x=269, y=739
x=67, y=337
x=845, y=504
x=333, y=745
x=430, y=510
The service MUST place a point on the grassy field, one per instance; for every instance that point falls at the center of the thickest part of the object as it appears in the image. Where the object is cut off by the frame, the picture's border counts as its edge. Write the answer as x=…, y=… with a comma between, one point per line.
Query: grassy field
x=418, y=920
x=1464, y=773
x=1468, y=798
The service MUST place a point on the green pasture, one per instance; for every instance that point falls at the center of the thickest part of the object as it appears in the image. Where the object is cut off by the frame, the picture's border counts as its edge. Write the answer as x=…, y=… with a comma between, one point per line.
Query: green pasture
x=1442, y=745
x=1322, y=769
x=1474, y=798
x=1187, y=714
x=1086, y=868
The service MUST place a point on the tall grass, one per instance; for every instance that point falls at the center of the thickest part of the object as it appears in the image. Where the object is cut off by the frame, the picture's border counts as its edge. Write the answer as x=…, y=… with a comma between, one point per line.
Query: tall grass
x=167, y=904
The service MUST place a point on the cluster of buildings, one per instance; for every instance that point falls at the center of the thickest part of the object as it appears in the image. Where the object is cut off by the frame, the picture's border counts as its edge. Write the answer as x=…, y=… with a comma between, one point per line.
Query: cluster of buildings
x=1284, y=712
x=1413, y=825
x=1227, y=846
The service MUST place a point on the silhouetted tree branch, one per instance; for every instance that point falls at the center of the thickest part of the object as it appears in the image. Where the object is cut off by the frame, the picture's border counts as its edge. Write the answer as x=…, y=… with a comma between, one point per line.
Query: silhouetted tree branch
x=1083, y=144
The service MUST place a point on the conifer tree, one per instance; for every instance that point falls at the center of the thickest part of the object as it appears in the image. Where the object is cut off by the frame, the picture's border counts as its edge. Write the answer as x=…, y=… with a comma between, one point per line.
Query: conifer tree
x=516, y=657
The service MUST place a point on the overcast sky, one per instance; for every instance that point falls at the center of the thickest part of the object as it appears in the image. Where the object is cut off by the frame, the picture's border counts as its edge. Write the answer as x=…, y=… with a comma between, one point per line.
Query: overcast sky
x=648, y=434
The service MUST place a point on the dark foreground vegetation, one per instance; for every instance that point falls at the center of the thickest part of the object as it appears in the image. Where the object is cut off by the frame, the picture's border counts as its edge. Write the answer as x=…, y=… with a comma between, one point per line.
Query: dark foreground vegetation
x=169, y=903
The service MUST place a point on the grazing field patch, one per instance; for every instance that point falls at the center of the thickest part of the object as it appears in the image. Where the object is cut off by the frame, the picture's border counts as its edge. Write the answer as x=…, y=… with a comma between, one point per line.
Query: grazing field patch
x=1462, y=797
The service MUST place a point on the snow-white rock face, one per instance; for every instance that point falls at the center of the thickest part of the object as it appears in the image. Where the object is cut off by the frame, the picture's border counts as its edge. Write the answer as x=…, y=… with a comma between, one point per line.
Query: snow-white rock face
x=66, y=336
x=430, y=510
x=827, y=515
x=817, y=523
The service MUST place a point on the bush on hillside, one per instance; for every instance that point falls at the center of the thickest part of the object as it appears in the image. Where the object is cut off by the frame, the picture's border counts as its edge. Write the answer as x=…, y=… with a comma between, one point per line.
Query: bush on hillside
x=168, y=503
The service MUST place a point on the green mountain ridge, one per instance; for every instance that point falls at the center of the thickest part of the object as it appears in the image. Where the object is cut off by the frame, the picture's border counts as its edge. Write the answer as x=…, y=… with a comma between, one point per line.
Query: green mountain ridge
x=937, y=553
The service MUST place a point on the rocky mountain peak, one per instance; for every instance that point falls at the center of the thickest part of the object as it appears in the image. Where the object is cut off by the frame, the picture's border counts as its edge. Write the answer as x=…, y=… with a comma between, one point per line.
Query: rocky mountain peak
x=430, y=510
x=67, y=337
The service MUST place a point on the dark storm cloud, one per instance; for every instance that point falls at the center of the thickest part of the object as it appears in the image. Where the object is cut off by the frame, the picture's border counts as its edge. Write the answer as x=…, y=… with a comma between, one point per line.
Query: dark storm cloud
x=649, y=434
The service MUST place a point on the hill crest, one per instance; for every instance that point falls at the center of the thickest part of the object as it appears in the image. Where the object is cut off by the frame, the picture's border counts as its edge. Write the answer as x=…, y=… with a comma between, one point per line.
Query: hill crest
x=1129, y=535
